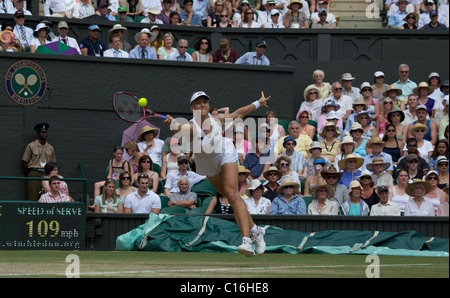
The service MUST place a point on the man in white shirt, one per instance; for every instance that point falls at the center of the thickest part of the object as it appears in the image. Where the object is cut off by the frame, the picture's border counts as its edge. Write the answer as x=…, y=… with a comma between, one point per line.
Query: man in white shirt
x=59, y=8
x=23, y=34
x=385, y=206
x=152, y=13
x=181, y=53
x=54, y=195
x=63, y=28
x=14, y=5
x=116, y=50
x=83, y=9
x=143, y=200
x=171, y=185
x=345, y=102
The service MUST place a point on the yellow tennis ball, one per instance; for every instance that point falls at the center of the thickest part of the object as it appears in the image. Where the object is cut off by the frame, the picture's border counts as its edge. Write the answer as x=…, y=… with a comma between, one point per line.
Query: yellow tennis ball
x=143, y=102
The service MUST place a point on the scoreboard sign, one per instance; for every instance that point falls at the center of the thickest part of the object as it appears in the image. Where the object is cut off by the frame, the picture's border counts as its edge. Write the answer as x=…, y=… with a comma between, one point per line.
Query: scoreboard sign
x=42, y=226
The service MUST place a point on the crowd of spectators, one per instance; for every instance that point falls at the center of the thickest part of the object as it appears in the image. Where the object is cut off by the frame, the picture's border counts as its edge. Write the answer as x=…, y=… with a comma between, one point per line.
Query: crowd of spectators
x=294, y=14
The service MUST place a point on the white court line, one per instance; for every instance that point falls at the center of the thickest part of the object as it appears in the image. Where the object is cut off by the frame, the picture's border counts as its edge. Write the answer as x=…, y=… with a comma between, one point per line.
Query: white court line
x=210, y=269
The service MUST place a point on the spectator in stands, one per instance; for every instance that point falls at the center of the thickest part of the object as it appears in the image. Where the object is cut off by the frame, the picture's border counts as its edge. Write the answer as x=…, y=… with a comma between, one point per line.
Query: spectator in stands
x=348, y=147
x=356, y=132
x=376, y=144
x=109, y=201
x=411, y=21
x=23, y=33
x=434, y=24
x=373, y=105
x=398, y=194
x=145, y=166
x=315, y=152
x=171, y=185
x=272, y=175
x=264, y=15
x=102, y=10
x=225, y=53
x=52, y=169
x=91, y=45
x=355, y=205
x=214, y=16
x=276, y=129
x=125, y=187
x=323, y=22
x=220, y=205
x=424, y=17
x=256, y=203
x=84, y=9
x=393, y=92
x=411, y=111
x=257, y=57
x=378, y=168
x=392, y=146
x=164, y=16
x=284, y=164
x=385, y=206
x=259, y=160
x=54, y=195
x=323, y=203
x=122, y=15
x=152, y=16
x=143, y=50
x=225, y=21
x=311, y=103
x=134, y=8
x=404, y=83
x=63, y=29
x=294, y=18
x=358, y=106
x=243, y=181
x=443, y=207
x=203, y=50
x=247, y=19
x=332, y=177
x=434, y=81
x=396, y=19
x=319, y=165
x=423, y=91
x=303, y=141
x=40, y=37
x=150, y=143
x=350, y=167
x=132, y=150
x=330, y=18
x=328, y=110
x=58, y=8
x=14, y=45
x=382, y=120
x=253, y=4
x=411, y=146
x=36, y=155
x=119, y=30
x=181, y=53
x=436, y=194
x=189, y=17
x=412, y=166
x=418, y=206
x=173, y=148
x=167, y=49
x=305, y=128
x=288, y=201
x=443, y=12
x=379, y=86
x=345, y=102
x=369, y=130
x=330, y=144
x=441, y=149
x=324, y=88
x=143, y=200
x=442, y=170
x=183, y=198
x=116, y=50
x=424, y=147
x=16, y=5
x=349, y=90
x=274, y=21
x=314, y=5
x=201, y=8
x=422, y=118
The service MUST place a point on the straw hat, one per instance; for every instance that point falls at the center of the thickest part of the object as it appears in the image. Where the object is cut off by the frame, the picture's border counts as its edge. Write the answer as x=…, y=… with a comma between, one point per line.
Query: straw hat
x=118, y=27
x=418, y=126
x=324, y=130
x=354, y=184
x=416, y=16
x=378, y=161
x=343, y=162
x=272, y=169
x=254, y=185
x=425, y=184
x=330, y=189
x=146, y=129
x=393, y=111
x=242, y=169
x=392, y=87
x=348, y=140
x=374, y=140
x=287, y=182
x=360, y=101
x=423, y=85
x=369, y=119
x=299, y=3
x=331, y=171
x=356, y=126
x=309, y=88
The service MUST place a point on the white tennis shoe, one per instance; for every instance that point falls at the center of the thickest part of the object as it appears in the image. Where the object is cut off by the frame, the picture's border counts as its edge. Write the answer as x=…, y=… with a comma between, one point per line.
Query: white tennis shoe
x=246, y=248
x=258, y=240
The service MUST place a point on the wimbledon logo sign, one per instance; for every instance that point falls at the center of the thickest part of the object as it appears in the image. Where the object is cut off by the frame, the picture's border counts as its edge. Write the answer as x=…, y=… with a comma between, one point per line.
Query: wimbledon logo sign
x=25, y=82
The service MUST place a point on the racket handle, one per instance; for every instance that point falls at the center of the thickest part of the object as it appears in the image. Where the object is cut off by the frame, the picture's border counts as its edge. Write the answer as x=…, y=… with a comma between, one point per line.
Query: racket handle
x=162, y=117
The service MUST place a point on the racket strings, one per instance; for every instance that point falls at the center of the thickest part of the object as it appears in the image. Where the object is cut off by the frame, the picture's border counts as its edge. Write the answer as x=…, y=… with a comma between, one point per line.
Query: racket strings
x=127, y=107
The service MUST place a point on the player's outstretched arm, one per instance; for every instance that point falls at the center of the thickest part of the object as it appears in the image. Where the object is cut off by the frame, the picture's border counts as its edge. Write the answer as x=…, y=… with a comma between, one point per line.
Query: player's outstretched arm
x=244, y=111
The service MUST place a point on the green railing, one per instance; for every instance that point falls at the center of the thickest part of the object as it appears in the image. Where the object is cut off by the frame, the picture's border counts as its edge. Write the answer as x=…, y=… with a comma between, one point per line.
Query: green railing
x=82, y=179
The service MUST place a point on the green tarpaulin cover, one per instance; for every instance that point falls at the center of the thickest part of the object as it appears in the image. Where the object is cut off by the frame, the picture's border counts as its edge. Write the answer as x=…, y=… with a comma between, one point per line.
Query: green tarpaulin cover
x=190, y=233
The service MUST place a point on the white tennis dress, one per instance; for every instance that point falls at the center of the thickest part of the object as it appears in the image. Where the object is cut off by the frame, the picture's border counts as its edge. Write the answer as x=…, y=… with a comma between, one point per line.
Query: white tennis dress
x=213, y=151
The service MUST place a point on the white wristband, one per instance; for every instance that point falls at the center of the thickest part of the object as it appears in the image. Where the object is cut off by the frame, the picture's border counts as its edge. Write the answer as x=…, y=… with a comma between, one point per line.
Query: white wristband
x=257, y=104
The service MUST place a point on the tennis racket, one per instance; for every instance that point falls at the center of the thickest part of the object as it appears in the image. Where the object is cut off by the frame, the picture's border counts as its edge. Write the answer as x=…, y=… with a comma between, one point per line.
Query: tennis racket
x=127, y=108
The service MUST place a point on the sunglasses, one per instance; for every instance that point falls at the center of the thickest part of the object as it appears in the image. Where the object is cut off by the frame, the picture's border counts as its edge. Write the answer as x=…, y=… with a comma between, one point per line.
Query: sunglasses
x=312, y=92
x=433, y=178
x=288, y=186
x=390, y=130
x=143, y=176
x=332, y=177
x=183, y=162
x=204, y=42
x=283, y=164
x=387, y=102
x=337, y=89
x=272, y=174
x=364, y=90
x=182, y=47
x=126, y=178
x=442, y=164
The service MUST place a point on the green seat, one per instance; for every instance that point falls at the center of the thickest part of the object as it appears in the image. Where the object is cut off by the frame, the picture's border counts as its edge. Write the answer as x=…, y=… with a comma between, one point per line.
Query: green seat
x=307, y=200
x=173, y=209
x=164, y=201
x=138, y=19
x=285, y=124
x=160, y=188
x=202, y=208
x=157, y=168
x=314, y=123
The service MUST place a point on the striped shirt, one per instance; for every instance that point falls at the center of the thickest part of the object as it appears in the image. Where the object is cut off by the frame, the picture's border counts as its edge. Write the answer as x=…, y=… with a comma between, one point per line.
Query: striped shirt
x=50, y=198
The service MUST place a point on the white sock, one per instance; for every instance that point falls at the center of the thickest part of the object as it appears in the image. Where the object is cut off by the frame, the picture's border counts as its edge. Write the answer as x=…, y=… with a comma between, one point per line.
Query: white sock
x=254, y=230
x=246, y=239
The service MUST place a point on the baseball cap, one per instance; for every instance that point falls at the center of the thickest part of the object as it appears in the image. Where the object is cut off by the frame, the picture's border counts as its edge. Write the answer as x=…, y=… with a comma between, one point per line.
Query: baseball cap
x=382, y=188
x=433, y=13
x=94, y=27
x=197, y=95
x=261, y=43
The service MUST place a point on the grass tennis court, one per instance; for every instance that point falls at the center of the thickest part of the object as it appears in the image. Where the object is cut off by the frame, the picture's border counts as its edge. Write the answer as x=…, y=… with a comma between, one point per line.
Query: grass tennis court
x=40, y=264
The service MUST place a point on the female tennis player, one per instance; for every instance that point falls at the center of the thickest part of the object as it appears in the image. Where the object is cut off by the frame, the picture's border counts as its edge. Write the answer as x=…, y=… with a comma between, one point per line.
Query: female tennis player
x=216, y=157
